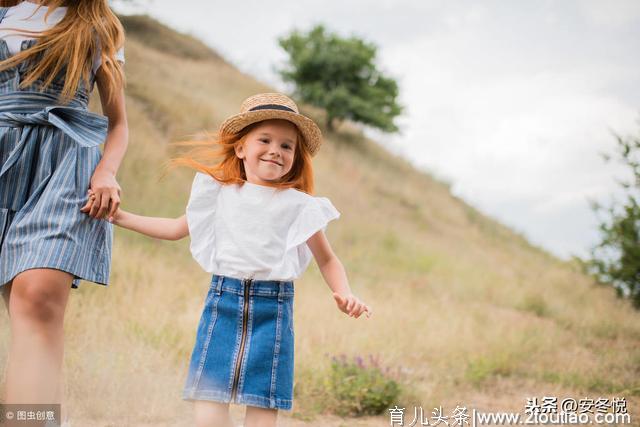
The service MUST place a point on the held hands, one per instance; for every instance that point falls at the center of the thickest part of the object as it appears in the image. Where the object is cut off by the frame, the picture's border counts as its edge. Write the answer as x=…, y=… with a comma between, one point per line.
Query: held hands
x=104, y=196
x=351, y=305
x=92, y=206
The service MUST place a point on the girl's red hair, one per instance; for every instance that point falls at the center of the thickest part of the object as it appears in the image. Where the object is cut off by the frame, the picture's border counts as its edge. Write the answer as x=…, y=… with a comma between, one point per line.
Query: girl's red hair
x=216, y=156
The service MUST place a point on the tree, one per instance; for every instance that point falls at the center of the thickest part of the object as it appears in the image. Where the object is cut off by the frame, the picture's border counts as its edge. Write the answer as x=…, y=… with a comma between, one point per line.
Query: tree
x=616, y=259
x=340, y=76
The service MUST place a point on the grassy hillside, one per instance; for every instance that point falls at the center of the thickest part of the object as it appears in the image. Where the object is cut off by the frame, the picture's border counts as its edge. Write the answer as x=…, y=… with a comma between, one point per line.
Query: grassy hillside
x=466, y=312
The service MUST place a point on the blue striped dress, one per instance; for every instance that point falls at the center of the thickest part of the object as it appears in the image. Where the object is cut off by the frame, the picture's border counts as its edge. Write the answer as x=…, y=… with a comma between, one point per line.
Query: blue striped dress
x=48, y=153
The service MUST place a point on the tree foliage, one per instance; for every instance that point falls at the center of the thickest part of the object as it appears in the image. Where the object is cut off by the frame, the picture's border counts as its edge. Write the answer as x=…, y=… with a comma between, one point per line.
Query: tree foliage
x=340, y=75
x=616, y=259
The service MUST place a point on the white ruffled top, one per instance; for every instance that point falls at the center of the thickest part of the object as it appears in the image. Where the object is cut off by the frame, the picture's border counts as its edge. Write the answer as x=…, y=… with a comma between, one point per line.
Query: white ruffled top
x=253, y=231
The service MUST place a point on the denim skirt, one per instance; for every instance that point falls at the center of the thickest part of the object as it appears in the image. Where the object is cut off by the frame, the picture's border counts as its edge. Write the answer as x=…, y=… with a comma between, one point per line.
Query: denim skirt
x=244, y=344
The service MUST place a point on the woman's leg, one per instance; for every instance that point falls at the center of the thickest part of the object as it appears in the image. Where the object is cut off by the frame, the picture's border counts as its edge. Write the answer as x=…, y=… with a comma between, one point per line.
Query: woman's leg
x=212, y=414
x=37, y=302
x=260, y=417
x=6, y=290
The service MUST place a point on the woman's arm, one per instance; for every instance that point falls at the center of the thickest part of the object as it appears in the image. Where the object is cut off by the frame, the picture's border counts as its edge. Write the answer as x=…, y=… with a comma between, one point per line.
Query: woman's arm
x=334, y=274
x=103, y=180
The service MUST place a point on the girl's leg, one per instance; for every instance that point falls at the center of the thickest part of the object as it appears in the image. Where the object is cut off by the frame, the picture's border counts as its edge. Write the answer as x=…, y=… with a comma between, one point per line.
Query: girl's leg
x=37, y=303
x=260, y=417
x=212, y=414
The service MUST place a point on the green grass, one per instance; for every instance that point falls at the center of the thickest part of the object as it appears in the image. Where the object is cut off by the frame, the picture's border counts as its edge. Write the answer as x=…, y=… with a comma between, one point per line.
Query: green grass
x=535, y=304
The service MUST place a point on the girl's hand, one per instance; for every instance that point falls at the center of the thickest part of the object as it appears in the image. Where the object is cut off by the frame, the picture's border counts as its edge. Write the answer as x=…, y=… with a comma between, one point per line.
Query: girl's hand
x=351, y=305
x=91, y=198
x=106, y=193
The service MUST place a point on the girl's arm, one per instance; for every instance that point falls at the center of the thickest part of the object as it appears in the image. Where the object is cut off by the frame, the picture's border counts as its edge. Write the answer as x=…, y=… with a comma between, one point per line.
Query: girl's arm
x=334, y=274
x=103, y=180
x=160, y=228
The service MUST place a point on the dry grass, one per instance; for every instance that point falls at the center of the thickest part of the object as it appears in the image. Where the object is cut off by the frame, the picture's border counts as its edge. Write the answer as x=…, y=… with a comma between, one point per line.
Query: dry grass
x=468, y=310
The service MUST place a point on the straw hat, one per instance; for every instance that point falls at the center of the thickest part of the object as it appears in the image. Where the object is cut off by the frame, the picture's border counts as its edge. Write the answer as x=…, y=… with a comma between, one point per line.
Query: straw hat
x=265, y=106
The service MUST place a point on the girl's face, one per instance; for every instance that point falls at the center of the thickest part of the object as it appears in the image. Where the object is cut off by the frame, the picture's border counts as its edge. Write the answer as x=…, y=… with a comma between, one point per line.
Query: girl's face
x=268, y=151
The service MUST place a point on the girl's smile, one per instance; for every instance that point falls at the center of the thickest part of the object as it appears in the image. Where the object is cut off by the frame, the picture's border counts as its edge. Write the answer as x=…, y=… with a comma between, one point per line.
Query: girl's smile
x=272, y=161
x=268, y=151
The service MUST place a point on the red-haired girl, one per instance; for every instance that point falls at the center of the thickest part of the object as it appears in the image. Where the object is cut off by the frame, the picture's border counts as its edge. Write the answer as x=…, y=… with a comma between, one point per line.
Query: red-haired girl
x=255, y=225
x=51, y=54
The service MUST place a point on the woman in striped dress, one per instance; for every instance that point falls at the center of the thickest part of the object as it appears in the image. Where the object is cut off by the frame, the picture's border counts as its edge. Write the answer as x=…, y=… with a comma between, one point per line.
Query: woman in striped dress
x=51, y=54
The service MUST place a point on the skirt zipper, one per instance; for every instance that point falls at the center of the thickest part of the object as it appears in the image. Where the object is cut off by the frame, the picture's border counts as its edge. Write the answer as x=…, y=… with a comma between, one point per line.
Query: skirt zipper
x=245, y=313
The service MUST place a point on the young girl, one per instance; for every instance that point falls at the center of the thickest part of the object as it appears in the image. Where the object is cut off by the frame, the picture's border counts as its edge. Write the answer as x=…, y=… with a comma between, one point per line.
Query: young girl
x=255, y=226
x=51, y=53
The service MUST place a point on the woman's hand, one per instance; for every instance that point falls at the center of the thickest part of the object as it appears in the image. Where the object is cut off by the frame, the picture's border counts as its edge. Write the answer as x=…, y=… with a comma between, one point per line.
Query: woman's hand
x=351, y=305
x=106, y=194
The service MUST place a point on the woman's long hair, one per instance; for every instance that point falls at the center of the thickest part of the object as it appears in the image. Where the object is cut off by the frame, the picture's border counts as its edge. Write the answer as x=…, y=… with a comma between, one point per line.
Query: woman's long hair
x=216, y=157
x=89, y=26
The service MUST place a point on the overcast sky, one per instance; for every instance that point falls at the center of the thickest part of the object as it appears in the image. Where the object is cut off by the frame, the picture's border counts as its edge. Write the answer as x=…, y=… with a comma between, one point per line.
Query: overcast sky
x=511, y=102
